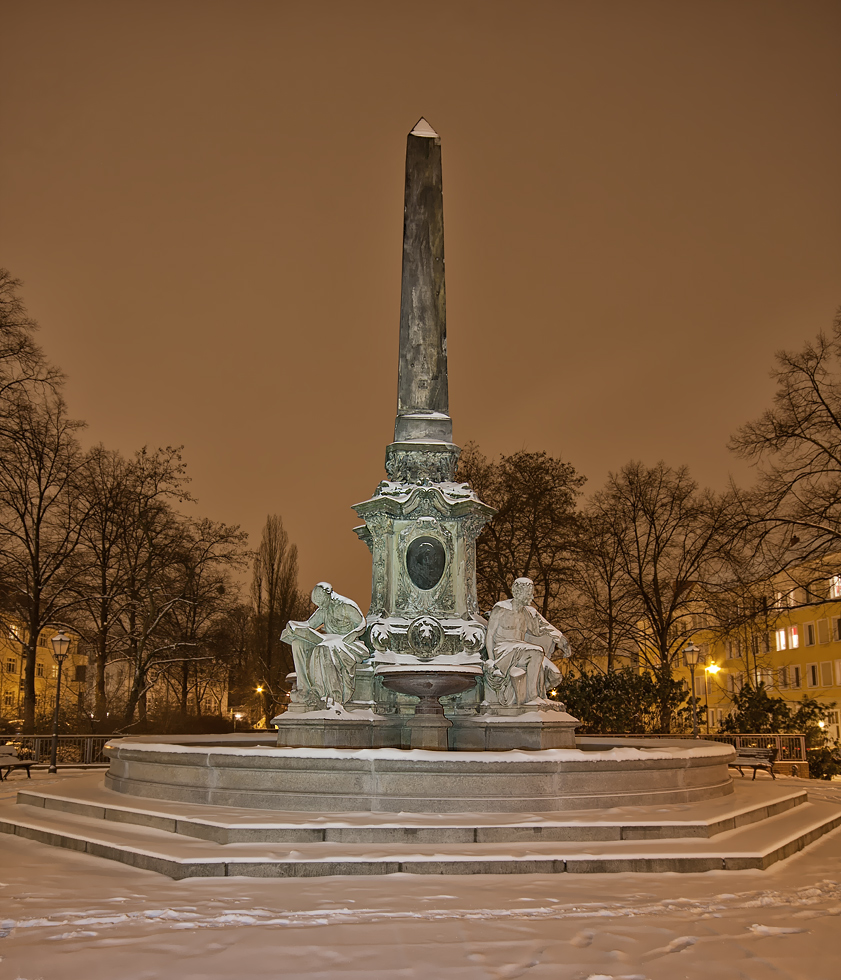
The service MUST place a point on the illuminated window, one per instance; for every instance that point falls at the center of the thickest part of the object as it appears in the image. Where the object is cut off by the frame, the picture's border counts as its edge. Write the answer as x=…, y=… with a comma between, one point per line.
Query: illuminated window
x=14, y=632
x=835, y=587
x=795, y=637
x=781, y=639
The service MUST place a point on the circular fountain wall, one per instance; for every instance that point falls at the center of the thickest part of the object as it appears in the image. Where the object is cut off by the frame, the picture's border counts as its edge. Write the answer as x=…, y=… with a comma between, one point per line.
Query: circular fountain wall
x=239, y=771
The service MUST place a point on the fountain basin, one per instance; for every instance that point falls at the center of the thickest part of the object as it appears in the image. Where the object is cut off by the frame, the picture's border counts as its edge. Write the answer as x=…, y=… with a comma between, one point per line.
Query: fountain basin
x=597, y=774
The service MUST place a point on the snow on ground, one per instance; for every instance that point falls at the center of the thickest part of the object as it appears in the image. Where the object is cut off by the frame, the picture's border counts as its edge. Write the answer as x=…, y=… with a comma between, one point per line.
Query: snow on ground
x=67, y=916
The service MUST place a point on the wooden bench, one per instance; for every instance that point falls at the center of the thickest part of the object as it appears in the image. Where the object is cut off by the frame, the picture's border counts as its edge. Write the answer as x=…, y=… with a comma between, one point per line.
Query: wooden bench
x=10, y=760
x=754, y=759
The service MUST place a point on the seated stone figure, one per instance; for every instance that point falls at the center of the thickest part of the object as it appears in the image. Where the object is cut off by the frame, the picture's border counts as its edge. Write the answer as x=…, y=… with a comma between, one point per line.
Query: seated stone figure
x=518, y=670
x=327, y=647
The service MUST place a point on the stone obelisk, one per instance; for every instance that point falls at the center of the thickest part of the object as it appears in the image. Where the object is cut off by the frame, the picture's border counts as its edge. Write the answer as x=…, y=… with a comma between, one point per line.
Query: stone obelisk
x=423, y=431
x=422, y=396
x=420, y=525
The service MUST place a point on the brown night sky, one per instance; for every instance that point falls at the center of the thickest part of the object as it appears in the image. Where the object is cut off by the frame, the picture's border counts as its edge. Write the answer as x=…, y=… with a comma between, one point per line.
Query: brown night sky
x=205, y=202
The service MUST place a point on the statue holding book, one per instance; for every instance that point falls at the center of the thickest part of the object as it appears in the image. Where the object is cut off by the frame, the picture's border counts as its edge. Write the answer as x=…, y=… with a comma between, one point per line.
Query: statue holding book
x=327, y=647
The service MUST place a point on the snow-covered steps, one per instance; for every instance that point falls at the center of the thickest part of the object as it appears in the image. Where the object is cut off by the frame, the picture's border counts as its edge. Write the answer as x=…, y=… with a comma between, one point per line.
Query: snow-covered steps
x=764, y=824
x=752, y=803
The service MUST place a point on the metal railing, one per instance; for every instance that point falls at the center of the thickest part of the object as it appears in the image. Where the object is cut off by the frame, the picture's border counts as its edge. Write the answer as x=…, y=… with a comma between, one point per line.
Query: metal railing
x=790, y=748
x=73, y=750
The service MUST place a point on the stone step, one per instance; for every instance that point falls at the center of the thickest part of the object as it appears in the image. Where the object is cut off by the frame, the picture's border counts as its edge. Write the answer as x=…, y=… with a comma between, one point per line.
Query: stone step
x=757, y=845
x=750, y=803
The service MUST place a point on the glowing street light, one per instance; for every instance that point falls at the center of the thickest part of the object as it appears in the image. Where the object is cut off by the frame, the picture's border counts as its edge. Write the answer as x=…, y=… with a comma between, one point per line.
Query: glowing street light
x=690, y=657
x=709, y=669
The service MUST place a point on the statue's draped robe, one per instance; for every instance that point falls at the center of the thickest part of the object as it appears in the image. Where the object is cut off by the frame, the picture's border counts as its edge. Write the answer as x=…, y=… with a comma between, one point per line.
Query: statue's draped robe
x=521, y=639
x=326, y=649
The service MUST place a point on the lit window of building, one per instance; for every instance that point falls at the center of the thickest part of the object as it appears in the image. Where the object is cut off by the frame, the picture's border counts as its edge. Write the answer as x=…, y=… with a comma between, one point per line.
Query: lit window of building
x=795, y=637
x=781, y=639
x=835, y=587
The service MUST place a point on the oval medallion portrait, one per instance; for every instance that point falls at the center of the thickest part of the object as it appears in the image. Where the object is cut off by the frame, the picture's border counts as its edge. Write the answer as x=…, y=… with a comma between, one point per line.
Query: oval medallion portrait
x=425, y=562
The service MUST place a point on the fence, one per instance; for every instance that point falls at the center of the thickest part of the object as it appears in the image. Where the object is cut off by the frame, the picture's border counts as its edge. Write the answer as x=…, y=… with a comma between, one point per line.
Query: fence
x=73, y=750
x=791, y=749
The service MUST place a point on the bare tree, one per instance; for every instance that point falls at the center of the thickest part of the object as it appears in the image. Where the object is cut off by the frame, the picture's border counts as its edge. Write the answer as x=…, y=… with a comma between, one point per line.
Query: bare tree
x=212, y=550
x=796, y=446
x=601, y=607
x=276, y=600
x=23, y=367
x=534, y=531
x=117, y=492
x=41, y=518
x=671, y=543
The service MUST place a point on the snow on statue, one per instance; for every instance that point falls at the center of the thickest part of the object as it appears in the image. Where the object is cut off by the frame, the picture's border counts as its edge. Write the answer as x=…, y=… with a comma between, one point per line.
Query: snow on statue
x=519, y=641
x=327, y=647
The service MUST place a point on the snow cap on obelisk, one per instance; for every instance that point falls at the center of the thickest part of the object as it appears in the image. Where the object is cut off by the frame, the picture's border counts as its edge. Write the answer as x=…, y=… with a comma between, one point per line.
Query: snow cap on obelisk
x=422, y=395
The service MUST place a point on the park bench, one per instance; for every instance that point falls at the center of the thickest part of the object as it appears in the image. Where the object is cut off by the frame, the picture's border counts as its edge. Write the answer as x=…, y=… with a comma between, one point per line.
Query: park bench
x=754, y=759
x=10, y=760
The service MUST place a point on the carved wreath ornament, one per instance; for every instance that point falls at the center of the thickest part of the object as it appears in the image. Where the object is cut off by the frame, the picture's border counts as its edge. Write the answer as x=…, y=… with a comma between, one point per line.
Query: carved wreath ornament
x=425, y=636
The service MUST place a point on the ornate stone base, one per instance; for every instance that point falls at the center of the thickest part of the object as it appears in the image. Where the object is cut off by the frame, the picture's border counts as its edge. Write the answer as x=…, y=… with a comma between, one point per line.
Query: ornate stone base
x=530, y=730
x=339, y=729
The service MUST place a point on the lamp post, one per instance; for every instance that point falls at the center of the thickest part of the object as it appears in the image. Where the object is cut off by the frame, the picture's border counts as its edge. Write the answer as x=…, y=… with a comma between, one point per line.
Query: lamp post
x=690, y=656
x=709, y=669
x=61, y=644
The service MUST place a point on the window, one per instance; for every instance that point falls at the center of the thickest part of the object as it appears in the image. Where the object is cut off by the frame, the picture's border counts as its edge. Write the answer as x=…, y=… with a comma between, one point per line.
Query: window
x=794, y=676
x=79, y=673
x=782, y=677
x=780, y=600
x=54, y=671
x=766, y=677
x=809, y=634
x=734, y=683
x=823, y=631
x=826, y=674
x=39, y=669
x=795, y=637
x=44, y=639
x=9, y=699
x=14, y=633
x=699, y=686
x=811, y=675
x=835, y=587
x=838, y=673
x=781, y=639
x=11, y=666
x=766, y=642
x=836, y=628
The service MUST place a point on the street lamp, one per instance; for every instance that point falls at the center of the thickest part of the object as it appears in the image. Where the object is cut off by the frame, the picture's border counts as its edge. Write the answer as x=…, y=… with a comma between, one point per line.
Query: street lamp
x=691, y=654
x=61, y=644
x=709, y=669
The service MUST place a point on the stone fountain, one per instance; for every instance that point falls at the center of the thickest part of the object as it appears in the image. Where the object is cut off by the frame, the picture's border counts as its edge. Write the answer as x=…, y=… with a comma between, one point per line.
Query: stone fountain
x=351, y=765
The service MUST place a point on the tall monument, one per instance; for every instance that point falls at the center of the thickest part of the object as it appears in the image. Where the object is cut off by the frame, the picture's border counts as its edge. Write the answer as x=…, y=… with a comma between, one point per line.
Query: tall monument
x=424, y=635
x=421, y=526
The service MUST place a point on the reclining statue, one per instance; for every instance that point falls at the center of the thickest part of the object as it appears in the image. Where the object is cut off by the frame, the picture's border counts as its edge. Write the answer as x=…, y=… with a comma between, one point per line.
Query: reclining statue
x=327, y=647
x=519, y=640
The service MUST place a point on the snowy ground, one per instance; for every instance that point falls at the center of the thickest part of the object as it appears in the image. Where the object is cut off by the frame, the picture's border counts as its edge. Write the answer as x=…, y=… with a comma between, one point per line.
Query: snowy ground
x=67, y=916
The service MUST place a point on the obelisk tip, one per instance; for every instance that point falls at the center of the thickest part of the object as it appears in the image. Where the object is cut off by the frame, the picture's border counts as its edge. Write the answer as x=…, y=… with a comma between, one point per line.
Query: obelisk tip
x=422, y=128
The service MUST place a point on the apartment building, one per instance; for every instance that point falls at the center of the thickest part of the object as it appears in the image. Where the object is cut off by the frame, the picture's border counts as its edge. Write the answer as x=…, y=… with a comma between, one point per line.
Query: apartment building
x=792, y=646
x=74, y=672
